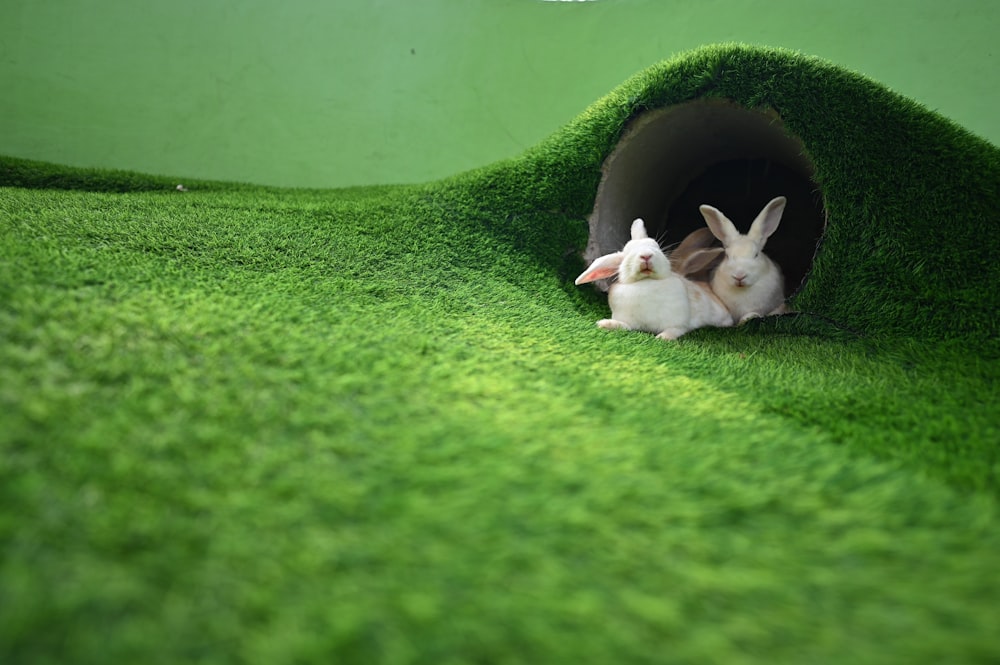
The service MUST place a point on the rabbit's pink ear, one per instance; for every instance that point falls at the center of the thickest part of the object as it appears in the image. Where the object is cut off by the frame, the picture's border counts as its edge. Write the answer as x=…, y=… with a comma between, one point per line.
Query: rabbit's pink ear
x=718, y=224
x=602, y=268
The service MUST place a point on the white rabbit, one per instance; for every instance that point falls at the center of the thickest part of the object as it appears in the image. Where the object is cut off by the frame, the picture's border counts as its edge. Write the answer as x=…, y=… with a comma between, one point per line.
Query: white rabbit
x=748, y=282
x=648, y=295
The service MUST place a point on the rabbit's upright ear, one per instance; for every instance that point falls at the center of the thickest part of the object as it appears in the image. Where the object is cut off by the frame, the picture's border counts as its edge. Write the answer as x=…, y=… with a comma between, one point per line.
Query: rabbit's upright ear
x=768, y=219
x=719, y=224
x=639, y=229
x=602, y=268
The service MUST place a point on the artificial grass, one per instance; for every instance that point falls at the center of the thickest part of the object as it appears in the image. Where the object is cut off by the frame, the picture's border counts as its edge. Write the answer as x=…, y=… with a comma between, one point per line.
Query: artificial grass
x=378, y=425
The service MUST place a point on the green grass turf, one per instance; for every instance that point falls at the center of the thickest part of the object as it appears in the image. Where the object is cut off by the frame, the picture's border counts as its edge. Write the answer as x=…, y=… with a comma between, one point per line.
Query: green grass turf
x=379, y=426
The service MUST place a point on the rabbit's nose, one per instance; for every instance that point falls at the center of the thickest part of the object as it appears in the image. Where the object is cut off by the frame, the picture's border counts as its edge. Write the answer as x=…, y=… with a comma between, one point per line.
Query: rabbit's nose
x=738, y=277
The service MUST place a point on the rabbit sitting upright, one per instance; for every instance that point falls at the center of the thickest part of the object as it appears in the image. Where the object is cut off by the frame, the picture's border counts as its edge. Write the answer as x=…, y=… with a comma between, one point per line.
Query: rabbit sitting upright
x=648, y=295
x=748, y=282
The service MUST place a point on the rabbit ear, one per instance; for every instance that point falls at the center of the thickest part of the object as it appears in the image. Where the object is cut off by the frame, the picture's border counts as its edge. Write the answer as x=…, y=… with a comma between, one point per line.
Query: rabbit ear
x=718, y=223
x=700, y=238
x=639, y=229
x=602, y=268
x=768, y=219
x=701, y=260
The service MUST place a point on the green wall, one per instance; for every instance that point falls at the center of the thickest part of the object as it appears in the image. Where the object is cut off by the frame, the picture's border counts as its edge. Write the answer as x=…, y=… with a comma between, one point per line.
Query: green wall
x=317, y=93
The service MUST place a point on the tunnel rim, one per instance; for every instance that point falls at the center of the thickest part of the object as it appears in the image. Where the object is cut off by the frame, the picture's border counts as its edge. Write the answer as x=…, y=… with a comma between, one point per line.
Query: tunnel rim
x=678, y=142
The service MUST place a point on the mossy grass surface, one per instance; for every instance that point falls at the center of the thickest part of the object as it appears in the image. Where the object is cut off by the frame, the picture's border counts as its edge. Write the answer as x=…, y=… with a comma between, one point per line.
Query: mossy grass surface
x=378, y=425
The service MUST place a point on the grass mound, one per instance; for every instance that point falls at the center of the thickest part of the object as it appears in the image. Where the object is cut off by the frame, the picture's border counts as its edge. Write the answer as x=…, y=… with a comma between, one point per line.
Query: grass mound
x=378, y=425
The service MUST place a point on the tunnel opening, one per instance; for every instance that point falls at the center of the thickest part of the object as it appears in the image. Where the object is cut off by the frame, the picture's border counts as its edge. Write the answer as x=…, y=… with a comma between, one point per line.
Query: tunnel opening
x=671, y=160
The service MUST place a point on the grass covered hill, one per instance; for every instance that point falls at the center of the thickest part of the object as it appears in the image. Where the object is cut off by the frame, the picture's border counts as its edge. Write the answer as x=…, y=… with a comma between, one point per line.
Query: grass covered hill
x=378, y=425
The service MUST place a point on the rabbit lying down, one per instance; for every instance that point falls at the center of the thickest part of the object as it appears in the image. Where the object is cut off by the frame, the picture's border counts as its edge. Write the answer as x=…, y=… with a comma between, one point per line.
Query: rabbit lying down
x=652, y=295
x=748, y=282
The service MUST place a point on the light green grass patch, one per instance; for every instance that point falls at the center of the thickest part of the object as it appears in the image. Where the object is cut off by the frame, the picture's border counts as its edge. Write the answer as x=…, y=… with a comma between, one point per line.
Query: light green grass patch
x=295, y=428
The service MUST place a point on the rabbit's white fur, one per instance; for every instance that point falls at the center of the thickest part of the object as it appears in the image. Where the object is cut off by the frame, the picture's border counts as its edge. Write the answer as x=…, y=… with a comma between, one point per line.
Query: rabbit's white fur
x=648, y=295
x=748, y=282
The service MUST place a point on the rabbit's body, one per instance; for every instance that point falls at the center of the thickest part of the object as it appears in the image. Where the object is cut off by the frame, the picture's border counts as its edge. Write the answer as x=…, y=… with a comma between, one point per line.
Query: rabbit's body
x=747, y=281
x=648, y=295
x=706, y=307
x=654, y=305
x=763, y=297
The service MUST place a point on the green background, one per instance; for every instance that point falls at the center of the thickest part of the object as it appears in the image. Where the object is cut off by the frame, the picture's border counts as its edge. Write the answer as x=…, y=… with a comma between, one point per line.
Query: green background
x=344, y=93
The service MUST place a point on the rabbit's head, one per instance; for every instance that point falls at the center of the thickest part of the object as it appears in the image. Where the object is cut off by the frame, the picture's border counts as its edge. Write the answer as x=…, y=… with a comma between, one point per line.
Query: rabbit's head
x=641, y=258
x=744, y=262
